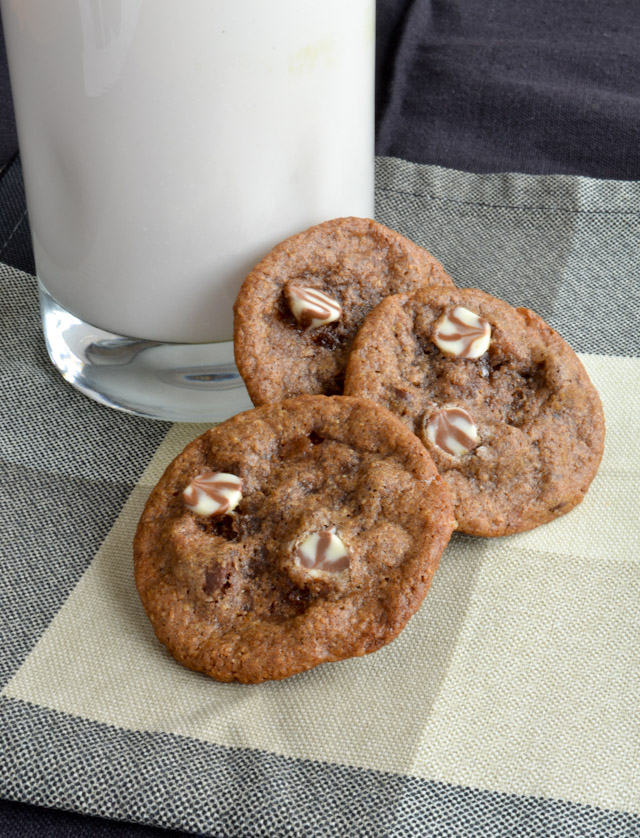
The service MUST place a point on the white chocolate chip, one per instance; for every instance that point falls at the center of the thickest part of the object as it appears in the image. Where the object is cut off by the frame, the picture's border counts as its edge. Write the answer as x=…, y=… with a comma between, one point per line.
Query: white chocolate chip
x=461, y=333
x=323, y=552
x=311, y=307
x=453, y=431
x=213, y=493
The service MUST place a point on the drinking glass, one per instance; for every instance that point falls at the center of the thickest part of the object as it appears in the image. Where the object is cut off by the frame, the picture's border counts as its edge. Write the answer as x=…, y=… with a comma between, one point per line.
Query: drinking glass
x=166, y=146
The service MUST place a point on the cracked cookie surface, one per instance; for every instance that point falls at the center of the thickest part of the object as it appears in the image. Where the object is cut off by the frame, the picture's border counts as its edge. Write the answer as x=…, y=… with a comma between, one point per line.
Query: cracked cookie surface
x=517, y=432
x=283, y=349
x=328, y=552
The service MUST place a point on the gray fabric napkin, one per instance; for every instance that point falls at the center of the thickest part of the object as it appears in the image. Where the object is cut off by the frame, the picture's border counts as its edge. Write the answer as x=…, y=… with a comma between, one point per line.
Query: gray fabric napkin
x=508, y=706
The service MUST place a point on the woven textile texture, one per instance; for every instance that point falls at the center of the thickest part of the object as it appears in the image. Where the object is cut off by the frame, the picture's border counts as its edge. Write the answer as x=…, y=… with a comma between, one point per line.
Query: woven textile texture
x=540, y=87
x=508, y=706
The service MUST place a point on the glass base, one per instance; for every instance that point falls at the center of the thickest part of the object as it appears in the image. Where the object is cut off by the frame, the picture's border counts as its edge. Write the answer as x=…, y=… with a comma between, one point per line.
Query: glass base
x=170, y=381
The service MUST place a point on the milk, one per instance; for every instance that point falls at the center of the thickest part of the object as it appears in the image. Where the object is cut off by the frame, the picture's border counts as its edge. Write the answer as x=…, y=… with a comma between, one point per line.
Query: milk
x=167, y=145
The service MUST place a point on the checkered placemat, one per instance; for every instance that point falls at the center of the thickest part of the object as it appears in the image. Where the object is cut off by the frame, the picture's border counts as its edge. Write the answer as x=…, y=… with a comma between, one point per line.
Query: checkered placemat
x=508, y=706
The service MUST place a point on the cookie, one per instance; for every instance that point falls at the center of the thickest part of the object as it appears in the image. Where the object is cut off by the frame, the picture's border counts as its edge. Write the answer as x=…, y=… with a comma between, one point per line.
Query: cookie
x=298, y=311
x=291, y=535
x=500, y=401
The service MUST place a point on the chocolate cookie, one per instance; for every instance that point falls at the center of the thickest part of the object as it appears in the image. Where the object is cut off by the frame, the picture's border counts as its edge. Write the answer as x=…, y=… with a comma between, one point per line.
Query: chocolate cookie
x=500, y=401
x=291, y=535
x=299, y=309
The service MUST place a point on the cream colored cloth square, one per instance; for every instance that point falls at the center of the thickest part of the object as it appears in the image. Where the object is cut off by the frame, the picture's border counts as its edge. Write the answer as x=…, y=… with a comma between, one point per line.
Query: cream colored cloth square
x=520, y=673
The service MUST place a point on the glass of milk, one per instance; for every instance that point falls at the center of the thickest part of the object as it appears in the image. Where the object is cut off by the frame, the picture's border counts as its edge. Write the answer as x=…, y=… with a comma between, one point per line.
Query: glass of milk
x=167, y=146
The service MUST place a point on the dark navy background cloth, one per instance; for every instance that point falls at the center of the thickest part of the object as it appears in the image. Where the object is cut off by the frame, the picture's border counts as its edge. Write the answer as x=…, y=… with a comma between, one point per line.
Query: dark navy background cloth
x=541, y=87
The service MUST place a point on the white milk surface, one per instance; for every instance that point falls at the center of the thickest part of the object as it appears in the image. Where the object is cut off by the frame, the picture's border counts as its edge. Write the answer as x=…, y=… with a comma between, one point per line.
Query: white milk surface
x=167, y=145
